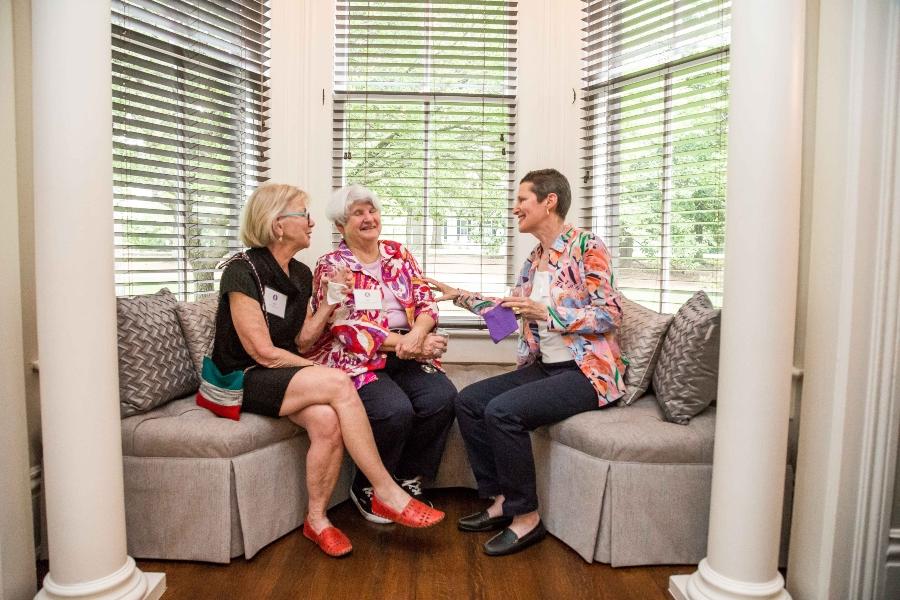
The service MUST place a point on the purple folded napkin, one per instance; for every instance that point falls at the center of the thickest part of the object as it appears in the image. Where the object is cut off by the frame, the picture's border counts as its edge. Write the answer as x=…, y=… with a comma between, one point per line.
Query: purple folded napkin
x=501, y=322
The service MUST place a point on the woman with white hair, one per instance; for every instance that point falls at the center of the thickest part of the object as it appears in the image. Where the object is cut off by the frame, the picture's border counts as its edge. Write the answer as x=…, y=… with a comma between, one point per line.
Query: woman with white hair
x=381, y=335
x=278, y=382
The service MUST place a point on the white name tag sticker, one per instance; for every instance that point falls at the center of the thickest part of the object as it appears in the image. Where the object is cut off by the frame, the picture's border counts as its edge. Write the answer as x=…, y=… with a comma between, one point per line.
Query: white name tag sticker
x=367, y=299
x=276, y=302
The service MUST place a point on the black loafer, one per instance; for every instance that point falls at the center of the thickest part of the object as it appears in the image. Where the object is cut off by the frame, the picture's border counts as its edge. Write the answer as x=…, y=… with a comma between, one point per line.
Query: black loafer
x=482, y=522
x=507, y=542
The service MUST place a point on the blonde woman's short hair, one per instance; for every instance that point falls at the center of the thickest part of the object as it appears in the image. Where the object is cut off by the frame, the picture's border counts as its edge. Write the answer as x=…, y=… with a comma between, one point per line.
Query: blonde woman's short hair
x=347, y=196
x=262, y=209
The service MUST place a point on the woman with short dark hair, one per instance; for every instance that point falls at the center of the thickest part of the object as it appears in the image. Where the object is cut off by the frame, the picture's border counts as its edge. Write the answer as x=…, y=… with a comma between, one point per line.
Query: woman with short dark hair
x=569, y=360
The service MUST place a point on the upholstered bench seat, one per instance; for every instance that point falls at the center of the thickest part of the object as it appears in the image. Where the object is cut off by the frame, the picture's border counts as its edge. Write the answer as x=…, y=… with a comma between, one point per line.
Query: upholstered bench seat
x=199, y=487
x=183, y=429
x=638, y=433
x=622, y=485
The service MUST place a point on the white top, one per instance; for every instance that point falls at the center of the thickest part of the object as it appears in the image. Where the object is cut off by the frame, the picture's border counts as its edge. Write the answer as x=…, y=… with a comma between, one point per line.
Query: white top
x=553, y=350
x=396, y=314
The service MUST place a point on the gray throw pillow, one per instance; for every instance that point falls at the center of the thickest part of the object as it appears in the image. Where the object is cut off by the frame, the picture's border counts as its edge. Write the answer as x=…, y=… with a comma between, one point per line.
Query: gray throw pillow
x=154, y=363
x=687, y=374
x=641, y=338
x=198, y=323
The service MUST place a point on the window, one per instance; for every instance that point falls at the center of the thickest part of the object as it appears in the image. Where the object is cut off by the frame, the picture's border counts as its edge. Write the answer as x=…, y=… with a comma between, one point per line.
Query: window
x=424, y=115
x=655, y=110
x=189, y=87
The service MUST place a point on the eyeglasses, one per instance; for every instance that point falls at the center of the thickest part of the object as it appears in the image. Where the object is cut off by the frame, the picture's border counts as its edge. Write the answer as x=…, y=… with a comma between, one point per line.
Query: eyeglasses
x=301, y=213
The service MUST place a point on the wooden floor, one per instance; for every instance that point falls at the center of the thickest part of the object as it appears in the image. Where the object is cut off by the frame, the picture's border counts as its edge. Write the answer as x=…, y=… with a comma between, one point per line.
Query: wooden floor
x=397, y=563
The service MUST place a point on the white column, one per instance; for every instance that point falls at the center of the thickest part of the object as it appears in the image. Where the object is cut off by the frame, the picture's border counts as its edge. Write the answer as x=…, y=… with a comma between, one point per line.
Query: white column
x=762, y=237
x=76, y=305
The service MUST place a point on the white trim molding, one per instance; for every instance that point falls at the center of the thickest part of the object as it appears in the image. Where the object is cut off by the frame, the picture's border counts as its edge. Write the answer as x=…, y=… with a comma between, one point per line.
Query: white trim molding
x=851, y=395
x=871, y=555
x=17, y=575
x=882, y=406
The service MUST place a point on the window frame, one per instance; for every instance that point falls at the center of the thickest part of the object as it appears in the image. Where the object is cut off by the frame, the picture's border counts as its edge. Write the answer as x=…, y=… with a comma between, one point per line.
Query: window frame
x=341, y=96
x=171, y=185
x=602, y=207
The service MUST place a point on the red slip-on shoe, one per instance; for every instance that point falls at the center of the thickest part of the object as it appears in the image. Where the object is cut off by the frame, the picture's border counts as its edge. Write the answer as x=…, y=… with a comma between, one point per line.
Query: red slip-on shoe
x=331, y=540
x=416, y=514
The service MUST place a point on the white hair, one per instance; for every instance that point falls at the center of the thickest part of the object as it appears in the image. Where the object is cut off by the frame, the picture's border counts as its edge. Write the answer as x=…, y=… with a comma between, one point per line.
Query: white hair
x=344, y=198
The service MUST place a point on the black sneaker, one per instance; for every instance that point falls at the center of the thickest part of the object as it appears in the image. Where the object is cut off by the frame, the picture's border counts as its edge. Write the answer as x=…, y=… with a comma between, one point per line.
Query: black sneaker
x=362, y=498
x=413, y=487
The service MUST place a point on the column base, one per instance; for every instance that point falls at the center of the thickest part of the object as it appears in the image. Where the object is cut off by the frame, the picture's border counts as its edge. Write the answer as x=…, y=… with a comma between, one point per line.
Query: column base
x=707, y=584
x=128, y=583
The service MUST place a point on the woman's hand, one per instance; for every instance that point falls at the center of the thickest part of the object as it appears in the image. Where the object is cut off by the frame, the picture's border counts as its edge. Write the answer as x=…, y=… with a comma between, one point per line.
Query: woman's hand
x=447, y=292
x=317, y=320
x=526, y=308
x=411, y=344
x=339, y=275
x=434, y=347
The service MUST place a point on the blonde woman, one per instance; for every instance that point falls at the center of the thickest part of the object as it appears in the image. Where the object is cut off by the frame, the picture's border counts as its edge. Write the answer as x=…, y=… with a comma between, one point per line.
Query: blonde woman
x=280, y=383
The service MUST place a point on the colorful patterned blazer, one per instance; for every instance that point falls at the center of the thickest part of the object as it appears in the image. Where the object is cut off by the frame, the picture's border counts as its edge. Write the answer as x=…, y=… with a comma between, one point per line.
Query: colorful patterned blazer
x=584, y=309
x=353, y=340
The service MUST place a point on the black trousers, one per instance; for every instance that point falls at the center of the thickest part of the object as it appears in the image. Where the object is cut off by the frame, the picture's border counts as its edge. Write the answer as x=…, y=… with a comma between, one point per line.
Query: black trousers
x=496, y=414
x=410, y=412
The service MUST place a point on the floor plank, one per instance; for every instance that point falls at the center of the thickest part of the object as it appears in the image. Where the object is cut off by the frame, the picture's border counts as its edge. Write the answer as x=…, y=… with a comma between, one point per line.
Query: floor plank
x=396, y=562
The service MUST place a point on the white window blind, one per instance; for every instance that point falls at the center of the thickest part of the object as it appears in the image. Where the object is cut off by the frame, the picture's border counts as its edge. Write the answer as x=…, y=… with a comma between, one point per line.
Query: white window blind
x=424, y=115
x=189, y=136
x=655, y=113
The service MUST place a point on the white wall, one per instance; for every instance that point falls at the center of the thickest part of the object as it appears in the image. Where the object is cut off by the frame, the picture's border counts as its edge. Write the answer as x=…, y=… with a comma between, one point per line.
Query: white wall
x=549, y=117
x=17, y=566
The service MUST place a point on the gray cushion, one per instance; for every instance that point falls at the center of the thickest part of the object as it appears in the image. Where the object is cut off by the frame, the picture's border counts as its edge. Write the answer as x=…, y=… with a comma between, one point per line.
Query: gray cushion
x=641, y=338
x=637, y=433
x=463, y=375
x=154, y=363
x=687, y=373
x=198, y=324
x=184, y=430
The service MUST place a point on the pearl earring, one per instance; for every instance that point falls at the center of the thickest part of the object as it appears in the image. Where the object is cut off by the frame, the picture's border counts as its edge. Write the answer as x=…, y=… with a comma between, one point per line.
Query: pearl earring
x=281, y=238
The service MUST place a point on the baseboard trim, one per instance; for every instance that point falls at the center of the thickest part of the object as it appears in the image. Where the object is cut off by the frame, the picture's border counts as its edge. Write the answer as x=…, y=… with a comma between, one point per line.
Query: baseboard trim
x=678, y=587
x=156, y=585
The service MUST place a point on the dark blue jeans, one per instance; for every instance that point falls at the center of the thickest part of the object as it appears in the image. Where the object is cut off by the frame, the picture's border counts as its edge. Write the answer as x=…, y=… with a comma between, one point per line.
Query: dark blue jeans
x=496, y=414
x=410, y=412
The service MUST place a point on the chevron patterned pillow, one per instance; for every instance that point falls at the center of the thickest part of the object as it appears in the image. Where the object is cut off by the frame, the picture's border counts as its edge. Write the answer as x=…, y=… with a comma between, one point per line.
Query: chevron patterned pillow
x=154, y=363
x=687, y=373
x=198, y=323
x=640, y=339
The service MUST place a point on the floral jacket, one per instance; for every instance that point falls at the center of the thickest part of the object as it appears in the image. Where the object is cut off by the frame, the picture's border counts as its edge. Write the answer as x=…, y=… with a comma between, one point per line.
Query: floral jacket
x=584, y=309
x=353, y=339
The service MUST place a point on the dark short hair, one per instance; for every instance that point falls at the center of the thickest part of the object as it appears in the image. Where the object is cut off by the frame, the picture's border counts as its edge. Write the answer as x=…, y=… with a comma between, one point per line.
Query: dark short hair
x=550, y=181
